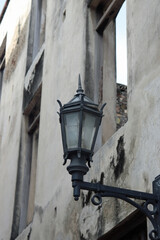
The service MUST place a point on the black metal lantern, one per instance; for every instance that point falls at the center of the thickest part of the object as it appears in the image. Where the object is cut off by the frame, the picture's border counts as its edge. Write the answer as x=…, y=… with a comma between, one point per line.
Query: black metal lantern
x=80, y=119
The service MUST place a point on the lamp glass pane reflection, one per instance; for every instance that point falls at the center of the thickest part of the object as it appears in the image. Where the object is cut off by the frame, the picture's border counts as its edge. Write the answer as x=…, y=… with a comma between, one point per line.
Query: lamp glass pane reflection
x=72, y=129
x=88, y=130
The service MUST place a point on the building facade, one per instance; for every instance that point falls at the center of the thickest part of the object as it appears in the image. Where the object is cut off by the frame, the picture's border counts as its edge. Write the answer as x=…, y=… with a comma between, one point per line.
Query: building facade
x=44, y=45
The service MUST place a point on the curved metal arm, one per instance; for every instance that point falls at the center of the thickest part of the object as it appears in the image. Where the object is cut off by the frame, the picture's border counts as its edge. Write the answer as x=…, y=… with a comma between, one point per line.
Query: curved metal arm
x=143, y=208
x=127, y=195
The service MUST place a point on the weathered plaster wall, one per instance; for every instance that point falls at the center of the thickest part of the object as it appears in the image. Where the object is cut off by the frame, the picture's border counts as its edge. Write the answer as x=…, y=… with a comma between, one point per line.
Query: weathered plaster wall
x=143, y=89
x=64, y=60
x=14, y=25
x=126, y=157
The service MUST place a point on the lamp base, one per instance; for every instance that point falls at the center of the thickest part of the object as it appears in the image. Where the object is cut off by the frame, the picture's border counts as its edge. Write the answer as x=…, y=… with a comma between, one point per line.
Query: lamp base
x=77, y=169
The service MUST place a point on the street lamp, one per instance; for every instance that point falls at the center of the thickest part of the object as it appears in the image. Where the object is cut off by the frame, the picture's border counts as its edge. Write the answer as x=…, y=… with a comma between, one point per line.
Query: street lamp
x=80, y=119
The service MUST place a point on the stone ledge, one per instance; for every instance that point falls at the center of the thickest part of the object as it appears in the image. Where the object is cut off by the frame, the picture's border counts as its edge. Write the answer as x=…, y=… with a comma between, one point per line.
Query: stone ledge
x=32, y=68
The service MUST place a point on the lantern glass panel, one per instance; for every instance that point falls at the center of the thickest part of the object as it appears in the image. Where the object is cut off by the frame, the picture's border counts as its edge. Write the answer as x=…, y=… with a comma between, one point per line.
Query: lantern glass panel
x=72, y=129
x=88, y=130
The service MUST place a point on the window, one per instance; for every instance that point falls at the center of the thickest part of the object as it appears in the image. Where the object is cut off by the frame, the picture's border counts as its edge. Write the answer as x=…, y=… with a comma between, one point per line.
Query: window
x=2, y=63
x=37, y=30
x=32, y=94
x=26, y=176
x=106, y=75
x=33, y=131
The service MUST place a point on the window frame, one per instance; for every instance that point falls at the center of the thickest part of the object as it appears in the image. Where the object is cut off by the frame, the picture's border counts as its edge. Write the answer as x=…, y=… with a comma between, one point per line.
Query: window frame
x=111, y=7
x=36, y=37
x=104, y=13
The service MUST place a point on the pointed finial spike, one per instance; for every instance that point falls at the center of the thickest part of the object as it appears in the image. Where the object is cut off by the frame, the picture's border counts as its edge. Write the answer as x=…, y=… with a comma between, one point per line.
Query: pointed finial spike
x=79, y=90
x=79, y=82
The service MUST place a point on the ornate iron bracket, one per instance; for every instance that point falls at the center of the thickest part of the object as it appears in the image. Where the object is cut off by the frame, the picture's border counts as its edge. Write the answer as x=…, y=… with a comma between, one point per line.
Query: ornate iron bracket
x=150, y=200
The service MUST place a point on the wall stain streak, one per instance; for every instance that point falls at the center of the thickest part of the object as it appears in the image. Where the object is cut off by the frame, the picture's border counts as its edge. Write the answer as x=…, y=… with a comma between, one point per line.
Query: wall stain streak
x=89, y=87
x=29, y=234
x=118, y=163
x=40, y=212
x=17, y=46
x=102, y=178
x=120, y=158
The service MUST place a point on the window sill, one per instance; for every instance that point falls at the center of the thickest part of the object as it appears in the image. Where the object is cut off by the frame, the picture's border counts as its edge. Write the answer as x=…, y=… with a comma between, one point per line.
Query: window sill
x=30, y=74
x=26, y=232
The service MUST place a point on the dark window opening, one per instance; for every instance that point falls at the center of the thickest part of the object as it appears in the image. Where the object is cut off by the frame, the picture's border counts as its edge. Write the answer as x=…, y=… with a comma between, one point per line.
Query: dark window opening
x=37, y=30
x=33, y=131
x=134, y=227
x=34, y=116
x=27, y=165
x=111, y=28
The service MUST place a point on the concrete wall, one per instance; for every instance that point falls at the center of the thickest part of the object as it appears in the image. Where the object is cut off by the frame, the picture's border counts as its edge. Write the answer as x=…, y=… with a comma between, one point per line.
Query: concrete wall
x=63, y=62
x=123, y=159
x=129, y=158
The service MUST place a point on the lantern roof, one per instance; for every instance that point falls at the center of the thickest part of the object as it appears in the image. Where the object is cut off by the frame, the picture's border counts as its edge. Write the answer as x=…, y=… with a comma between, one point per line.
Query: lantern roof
x=80, y=97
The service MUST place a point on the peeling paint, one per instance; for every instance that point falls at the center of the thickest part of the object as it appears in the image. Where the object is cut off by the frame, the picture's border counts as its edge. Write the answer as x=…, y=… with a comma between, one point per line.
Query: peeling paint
x=39, y=210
